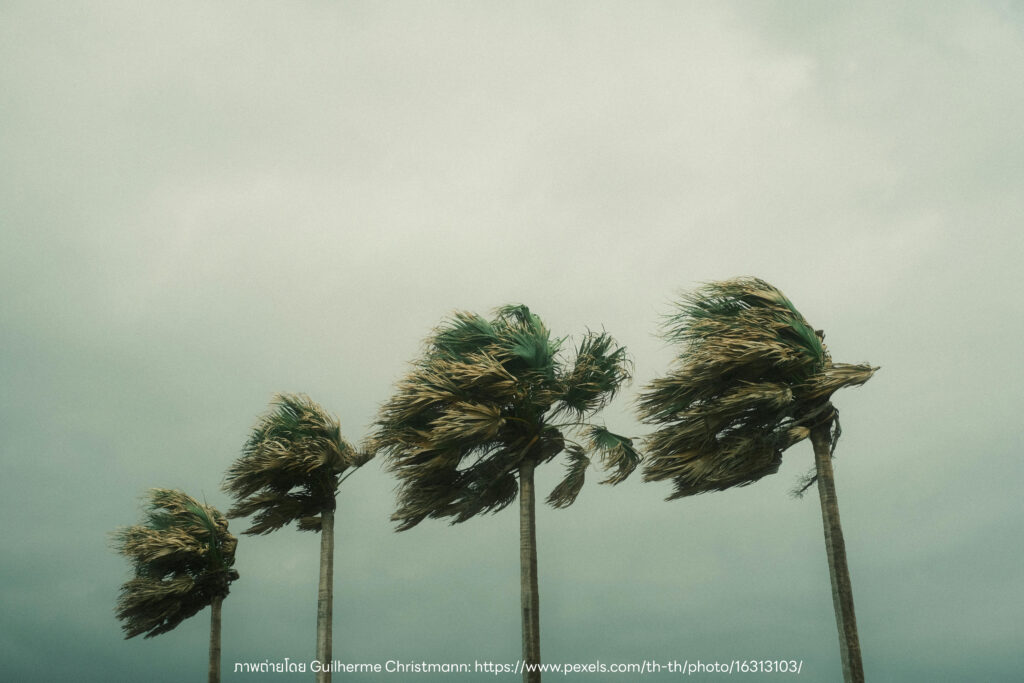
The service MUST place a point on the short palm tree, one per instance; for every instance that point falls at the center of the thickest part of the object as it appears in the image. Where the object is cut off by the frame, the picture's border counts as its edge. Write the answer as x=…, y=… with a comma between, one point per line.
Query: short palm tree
x=486, y=403
x=752, y=379
x=183, y=556
x=289, y=471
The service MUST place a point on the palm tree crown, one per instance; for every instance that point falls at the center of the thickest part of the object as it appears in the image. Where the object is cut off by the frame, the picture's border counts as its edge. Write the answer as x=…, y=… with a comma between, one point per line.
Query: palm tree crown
x=486, y=397
x=290, y=467
x=182, y=555
x=752, y=379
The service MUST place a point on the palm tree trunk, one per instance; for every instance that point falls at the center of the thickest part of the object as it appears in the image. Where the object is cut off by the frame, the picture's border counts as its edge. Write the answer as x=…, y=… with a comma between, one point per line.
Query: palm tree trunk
x=835, y=547
x=528, y=571
x=325, y=597
x=215, y=639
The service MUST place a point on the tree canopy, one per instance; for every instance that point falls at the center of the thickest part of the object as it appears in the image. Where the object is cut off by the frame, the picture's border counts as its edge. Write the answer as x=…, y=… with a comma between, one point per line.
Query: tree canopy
x=486, y=395
x=751, y=379
x=182, y=555
x=290, y=466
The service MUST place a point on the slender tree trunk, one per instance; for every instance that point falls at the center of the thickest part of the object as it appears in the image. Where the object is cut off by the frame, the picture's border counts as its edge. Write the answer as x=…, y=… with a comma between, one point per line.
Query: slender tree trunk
x=835, y=547
x=528, y=571
x=325, y=597
x=215, y=639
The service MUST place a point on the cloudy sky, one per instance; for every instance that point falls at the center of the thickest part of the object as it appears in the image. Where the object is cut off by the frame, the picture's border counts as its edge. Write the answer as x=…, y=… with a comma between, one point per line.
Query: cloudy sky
x=202, y=204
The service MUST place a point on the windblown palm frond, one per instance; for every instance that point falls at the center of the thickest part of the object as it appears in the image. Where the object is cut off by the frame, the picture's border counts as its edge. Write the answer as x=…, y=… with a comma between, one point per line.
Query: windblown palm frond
x=565, y=493
x=182, y=557
x=616, y=452
x=290, y=466
x=750, y=381
x=484, y=397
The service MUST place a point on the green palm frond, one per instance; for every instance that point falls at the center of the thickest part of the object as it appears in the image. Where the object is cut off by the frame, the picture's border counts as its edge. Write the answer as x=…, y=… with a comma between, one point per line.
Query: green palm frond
x=616, y=453
x=750, y=378
x=481, y=398
x=290, y=466
x=182, y=556
x=600, y=369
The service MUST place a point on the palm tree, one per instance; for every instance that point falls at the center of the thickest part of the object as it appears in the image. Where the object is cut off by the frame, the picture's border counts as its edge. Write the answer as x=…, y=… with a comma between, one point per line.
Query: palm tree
x=182, y=555
x=486, y=403
x=289, y=471
x=753, y=378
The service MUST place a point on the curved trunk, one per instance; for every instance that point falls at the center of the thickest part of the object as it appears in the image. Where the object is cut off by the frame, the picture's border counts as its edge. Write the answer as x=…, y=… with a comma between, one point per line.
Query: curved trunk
x=325, y=596
x=835, y=547
x=528, y=571
x=215, y=639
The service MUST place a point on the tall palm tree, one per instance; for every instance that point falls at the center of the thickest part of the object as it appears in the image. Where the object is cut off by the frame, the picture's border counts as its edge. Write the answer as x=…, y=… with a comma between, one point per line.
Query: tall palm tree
x=752, y=379
x=182, y=556
x=486, y=403
x=289, y=471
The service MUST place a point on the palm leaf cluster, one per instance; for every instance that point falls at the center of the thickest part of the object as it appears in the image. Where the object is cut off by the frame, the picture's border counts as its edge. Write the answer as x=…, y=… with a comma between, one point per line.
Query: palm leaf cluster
x=750, y=381
x=485, y=396
x=182, y=556
x=290, y=466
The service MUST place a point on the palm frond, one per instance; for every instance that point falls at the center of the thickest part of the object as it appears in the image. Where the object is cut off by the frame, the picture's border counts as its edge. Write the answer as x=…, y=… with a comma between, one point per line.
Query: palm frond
x=734, y=460
x=600, y=370
x=564, y=494
x=820, y=387
x=151, y=607
x=616, y=453
x=464, y=422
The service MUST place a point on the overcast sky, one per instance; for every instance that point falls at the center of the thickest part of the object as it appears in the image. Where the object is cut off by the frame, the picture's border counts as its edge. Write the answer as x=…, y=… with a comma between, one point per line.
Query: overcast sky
x=202, y=204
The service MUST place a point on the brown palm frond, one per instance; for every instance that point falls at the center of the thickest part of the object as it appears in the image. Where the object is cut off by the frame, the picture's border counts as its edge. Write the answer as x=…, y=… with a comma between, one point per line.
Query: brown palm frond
x=821, y=386
x=464, y=421
x=568, y=489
